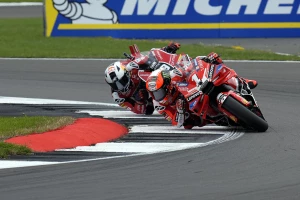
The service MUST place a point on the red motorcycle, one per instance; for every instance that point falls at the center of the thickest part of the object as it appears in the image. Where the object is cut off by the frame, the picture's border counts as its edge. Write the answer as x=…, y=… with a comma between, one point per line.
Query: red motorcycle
x=214, y=92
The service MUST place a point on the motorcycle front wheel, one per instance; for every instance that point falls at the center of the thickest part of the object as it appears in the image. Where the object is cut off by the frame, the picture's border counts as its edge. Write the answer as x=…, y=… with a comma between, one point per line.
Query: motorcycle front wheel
x=245, y=115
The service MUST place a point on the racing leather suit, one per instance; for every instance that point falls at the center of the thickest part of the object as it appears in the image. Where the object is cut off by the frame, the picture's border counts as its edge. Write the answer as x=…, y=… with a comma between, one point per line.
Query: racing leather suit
x=174, y=107
x=137, y=98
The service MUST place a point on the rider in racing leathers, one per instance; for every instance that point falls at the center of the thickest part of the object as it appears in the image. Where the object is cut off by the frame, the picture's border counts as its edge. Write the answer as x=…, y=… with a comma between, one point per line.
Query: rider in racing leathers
x=168, y=101
x=127, y=89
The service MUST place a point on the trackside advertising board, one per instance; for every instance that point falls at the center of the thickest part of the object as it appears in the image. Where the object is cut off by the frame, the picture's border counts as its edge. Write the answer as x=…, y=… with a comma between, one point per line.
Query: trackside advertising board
x=173, y=18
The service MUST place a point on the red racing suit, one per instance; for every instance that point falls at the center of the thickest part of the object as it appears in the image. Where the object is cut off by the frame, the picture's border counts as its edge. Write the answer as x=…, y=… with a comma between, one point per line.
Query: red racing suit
x=136, y=99
x=174, y=106
x=168, y=107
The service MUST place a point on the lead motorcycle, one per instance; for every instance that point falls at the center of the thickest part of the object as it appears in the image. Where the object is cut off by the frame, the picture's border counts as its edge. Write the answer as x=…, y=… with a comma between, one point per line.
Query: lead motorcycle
x=214, y=92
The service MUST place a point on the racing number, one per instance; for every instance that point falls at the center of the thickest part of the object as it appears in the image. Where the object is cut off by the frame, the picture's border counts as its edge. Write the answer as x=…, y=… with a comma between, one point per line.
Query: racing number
x=199, y=81
x=196, y=79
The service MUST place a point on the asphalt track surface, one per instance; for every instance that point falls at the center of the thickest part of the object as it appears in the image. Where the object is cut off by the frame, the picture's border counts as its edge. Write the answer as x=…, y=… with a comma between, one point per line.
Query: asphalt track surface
x=255, y=166
x=21, y=11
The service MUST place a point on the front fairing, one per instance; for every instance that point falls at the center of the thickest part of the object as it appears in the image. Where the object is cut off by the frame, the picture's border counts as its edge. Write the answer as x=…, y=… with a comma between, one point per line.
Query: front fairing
x=222, y=74
x=201, y=77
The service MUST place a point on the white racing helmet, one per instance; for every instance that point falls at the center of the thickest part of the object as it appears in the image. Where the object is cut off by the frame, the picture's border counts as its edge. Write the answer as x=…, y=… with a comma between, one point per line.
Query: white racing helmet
x=117, y=77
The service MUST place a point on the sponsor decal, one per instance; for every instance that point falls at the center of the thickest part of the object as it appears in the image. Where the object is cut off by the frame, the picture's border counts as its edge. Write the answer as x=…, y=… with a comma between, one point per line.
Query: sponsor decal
x=150, y=18
x=159, y=108
x=221, y=98
x=193, y=90
x=192, y=105
x=154, y=63
x=219, y=67
x=182, y=89
x=172, y=60
x=152, y=86
x=193, y=96
x=195, y=63
x=211, y=71
x=165, y=74
x=182, y=84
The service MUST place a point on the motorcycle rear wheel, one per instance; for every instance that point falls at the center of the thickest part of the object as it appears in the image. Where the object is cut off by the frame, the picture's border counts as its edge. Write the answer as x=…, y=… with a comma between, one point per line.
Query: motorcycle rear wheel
x=245, y=115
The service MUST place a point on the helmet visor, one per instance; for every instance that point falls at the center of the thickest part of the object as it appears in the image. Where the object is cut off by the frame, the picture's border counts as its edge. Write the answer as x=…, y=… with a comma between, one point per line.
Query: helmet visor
x=121, y=84
x=159, y=94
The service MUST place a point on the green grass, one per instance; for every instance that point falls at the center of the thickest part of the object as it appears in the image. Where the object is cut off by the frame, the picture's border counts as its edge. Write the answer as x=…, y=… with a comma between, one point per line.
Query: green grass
x=7, y=149
x=17, y=126
x=24, y=38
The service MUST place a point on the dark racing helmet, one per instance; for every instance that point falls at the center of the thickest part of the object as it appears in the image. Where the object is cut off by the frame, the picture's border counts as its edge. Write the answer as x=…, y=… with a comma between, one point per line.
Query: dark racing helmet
x=117, y=77
x=158, y=84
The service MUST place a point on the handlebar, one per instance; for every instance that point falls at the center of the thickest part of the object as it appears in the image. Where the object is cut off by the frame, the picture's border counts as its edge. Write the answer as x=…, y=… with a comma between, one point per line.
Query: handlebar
x=128, y=56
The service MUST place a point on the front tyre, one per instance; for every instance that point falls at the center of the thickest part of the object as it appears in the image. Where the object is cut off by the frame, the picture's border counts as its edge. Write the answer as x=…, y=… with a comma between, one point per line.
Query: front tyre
x=245, y=115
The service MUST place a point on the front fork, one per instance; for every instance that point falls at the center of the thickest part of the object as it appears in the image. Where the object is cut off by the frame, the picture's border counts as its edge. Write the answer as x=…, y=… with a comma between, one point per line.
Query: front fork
x=221, y=97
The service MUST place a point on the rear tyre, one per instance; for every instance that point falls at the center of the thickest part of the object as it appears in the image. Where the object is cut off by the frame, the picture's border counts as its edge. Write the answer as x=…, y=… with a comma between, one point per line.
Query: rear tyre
x=245, y=115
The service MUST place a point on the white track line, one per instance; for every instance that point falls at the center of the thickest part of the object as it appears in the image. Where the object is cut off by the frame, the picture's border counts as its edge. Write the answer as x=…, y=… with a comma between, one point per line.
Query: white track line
x=22, y=100
x=211, y=129
x=157, y=147
x=117, y=114
x=151, y=148
x=4, y=164
x=136, y=148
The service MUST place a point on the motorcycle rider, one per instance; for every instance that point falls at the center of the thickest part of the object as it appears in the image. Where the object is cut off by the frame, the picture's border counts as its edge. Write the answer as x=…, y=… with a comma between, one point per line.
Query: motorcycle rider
x=169, y=102
x=126, y=87
x=129, y=91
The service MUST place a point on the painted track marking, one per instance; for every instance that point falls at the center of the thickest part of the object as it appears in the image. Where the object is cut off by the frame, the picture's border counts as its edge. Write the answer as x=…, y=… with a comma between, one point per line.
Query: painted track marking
x=135, y=148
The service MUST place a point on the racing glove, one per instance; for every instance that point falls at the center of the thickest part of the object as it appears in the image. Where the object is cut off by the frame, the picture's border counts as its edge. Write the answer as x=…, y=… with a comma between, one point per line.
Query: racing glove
x=143, y=94
x=149, y=107
x=180, y=106
x=172, y=47
x=214, y=58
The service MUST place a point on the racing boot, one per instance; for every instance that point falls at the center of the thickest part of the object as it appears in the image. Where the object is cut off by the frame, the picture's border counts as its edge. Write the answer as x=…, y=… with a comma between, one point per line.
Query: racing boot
x=251, y=83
